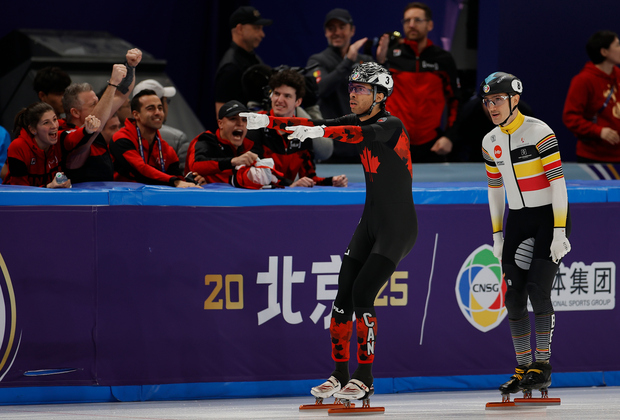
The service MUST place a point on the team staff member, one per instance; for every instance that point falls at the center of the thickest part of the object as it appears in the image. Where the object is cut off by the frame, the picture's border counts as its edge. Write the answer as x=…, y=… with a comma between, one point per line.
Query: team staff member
x=427, y=82
x=335, y=64
x=387, y=230
x=523, y=162
x=35, y=157
x=50, y=84
x=140, y=154
x=89, y=159
x=215, y=156
x=246, y=29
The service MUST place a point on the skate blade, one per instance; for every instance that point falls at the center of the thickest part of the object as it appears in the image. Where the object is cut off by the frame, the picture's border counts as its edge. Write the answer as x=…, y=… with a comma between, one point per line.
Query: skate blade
x=355, y=411
x=500, y=405
x=537, y=402
x=316, y=406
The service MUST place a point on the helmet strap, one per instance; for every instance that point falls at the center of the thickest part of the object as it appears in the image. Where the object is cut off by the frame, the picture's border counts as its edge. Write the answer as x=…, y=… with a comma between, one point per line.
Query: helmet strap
x=374, y=102
x=512, y=109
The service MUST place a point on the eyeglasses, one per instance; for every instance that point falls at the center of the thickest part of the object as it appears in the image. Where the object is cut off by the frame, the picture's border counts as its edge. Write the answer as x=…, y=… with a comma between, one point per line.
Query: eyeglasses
x=415, y=21
x=497, y=101
x=360, y=90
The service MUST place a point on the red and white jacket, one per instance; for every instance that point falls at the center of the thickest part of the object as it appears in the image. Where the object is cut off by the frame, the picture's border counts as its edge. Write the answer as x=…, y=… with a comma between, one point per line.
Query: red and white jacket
x=129, y=165
x=29, y=164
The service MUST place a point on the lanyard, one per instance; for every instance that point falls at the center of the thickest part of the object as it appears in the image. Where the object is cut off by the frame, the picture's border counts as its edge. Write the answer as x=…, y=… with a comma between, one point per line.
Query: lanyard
x=161, y=155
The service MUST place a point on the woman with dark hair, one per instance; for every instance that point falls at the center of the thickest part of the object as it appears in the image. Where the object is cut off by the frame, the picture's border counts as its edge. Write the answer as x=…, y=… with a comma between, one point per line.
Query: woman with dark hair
x=34, y=156
x=592, y=106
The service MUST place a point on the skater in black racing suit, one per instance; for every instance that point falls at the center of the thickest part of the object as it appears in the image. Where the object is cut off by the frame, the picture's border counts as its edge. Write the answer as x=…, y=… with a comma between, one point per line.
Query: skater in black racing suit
x=387, y=230
x=523, y=164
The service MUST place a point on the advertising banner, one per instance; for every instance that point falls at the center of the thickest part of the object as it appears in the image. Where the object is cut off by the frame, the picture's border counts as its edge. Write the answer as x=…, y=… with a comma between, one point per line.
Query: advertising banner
x=130, y=295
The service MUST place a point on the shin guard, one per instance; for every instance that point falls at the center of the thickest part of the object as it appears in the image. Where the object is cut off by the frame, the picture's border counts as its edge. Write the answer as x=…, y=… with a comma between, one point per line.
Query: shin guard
x=366, y=334
x=341, y=338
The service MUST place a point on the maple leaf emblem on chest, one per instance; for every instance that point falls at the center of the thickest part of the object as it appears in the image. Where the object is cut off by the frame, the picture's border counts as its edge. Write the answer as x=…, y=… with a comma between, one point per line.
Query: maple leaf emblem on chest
x=370, y=162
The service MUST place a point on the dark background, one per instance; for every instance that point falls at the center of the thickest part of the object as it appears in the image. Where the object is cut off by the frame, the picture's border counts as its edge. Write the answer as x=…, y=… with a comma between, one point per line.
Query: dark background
x=542, y=42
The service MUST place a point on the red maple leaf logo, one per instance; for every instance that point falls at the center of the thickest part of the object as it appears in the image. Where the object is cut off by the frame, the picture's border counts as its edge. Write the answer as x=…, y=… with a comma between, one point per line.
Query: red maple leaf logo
x=370, y=162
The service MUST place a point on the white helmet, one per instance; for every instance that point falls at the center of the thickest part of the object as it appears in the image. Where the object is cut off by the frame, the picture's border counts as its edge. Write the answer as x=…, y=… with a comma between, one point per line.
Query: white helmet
x=373, y=74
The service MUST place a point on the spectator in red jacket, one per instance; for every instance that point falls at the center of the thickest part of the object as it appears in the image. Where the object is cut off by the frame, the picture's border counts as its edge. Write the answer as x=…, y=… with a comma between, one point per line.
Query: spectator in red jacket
x=139, y=152
x=592, y=107
x=294, y=159
x=35, y=157
x=90, y=160
x=426, y=82
x=225, y=157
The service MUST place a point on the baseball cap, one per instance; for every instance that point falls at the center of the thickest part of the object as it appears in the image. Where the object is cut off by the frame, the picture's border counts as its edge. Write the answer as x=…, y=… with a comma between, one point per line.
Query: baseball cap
x=154, y=85
x=248, y=15
x=342, y=15
x=230, y=109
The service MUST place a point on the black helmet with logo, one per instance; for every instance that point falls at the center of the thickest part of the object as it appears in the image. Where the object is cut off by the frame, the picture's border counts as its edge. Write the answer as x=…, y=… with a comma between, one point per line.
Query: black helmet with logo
x=500, y=82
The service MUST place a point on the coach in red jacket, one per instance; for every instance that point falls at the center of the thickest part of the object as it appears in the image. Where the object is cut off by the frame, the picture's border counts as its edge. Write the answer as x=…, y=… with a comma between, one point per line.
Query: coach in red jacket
x=225, y=156
x=425, y=86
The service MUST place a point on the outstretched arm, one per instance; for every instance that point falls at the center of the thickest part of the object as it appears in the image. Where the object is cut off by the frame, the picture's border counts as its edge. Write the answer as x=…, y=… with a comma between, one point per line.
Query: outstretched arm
x=119, y=87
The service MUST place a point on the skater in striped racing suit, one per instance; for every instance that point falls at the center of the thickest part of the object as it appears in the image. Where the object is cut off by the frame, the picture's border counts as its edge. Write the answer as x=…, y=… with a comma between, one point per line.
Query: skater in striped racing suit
x=523, y=163
x=387, y=230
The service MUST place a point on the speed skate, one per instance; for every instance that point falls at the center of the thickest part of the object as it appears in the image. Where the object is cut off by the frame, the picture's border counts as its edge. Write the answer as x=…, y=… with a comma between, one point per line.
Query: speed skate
x=526, y=401
x=355, y=390
x=325, y=390
x=319, y=405
x=347, y=409
x=538, y=377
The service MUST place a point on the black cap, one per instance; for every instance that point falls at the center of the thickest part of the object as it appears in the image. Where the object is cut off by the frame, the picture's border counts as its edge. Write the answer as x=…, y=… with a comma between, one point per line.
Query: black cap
x=342, y=15
x=230, y=109
x=248, y=14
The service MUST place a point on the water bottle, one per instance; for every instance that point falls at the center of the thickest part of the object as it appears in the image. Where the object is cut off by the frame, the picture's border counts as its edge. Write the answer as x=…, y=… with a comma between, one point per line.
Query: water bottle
x=60, y=177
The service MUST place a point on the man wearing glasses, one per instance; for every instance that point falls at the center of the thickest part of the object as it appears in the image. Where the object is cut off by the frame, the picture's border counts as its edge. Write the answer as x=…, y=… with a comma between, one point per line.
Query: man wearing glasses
x=386, y=232
x=523, y=163
x=427, y=83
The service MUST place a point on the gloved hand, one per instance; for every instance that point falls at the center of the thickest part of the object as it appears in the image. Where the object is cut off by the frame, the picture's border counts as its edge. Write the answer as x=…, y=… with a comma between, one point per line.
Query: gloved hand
x=498, y=244
x=255, y=121
x=560, y=245
x=303, y=132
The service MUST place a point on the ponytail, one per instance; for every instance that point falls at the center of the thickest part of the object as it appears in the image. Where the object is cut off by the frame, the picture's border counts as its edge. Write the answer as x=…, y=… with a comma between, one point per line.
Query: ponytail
x=30, y=116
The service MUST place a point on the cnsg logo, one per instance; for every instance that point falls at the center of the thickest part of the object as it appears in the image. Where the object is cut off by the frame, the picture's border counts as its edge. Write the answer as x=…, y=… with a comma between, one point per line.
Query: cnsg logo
x=480, y=290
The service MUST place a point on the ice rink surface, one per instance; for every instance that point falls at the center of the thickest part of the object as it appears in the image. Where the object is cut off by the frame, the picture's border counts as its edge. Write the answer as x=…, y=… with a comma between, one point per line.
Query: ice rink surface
x=577, y=403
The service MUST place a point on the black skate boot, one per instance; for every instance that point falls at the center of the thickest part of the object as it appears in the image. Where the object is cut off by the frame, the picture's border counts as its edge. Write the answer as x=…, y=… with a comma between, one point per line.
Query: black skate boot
x=513, y=385
x=538, y=376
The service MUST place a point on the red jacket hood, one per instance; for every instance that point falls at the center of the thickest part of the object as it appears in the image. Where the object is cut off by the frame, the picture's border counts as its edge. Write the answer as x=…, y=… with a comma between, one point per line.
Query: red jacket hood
x=595, y=71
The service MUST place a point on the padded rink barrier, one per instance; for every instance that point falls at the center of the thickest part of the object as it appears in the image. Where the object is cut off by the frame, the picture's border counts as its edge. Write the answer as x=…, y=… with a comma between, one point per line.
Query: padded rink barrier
x=223, y=195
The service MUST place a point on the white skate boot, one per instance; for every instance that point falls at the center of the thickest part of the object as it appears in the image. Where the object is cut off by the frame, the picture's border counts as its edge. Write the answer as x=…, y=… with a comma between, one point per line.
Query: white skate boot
x=327, y=388
x=354, y=390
